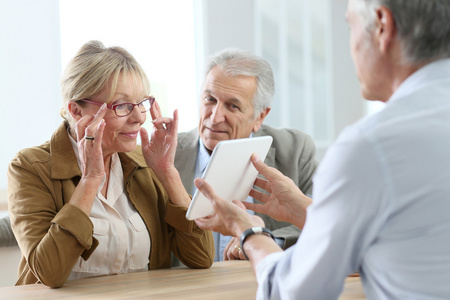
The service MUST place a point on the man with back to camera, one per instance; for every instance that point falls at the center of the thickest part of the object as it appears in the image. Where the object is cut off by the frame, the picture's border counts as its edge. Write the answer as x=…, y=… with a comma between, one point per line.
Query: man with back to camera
x=381, y=193
x=236, y=97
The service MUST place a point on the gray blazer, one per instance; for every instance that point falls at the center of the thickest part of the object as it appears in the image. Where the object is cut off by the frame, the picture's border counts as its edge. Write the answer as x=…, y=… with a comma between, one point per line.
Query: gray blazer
x=7, y=238
x=292, y=153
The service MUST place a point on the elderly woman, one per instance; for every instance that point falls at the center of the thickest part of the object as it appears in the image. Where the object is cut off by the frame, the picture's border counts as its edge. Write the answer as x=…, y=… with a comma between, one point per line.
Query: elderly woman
x=90, y=202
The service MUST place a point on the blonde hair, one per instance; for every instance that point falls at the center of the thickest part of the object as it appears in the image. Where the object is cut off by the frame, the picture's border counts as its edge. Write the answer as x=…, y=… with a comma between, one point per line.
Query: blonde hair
x=92, y=68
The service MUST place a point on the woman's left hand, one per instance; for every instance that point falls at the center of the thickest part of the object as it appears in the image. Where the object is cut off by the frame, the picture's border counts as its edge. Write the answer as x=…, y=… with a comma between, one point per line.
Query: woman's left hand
x=159, y=151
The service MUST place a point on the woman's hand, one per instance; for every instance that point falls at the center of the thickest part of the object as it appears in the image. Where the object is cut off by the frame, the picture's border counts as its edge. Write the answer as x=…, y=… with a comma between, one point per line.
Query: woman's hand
x=159, y=152
x=89, y=130
x=285, y=202
x=229, y=218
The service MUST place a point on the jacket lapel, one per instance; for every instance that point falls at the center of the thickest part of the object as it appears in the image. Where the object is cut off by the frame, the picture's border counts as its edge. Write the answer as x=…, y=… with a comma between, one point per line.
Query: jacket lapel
x=64, y=160
x=186, y=157
x=270, y=158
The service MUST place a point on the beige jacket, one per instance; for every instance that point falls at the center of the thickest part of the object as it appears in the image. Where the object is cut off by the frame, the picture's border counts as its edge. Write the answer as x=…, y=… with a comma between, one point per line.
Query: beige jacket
x=52, y=235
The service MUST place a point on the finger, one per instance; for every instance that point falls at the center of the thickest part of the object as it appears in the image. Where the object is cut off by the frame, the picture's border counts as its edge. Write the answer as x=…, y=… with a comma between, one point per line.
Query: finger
x=239, y=203
x=144, y=137
x=254, y=207
x=231, y=253
x=155, y=111
x=81, y=126
x=227, y=248
x=206, y=190
x=163, y=123
x=263, y=183
x=204, y=223
x=262, y=197
x=91, y=129
x=242, y=256
x=99, y=133
x=175, y=120
x=230, y=245
x=259, y=165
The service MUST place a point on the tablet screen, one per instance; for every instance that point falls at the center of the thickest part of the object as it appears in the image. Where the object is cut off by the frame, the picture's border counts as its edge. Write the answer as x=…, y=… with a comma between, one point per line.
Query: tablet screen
x=230, y=172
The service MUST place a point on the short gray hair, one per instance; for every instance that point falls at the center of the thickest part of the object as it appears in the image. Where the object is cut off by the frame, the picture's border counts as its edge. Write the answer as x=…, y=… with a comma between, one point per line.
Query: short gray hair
x=236, y=62
x=423, y=26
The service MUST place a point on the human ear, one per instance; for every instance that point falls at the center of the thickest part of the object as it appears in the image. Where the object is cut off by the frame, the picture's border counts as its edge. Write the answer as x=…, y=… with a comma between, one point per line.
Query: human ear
x=75, y=110
x=260, y=118
x=384, y=28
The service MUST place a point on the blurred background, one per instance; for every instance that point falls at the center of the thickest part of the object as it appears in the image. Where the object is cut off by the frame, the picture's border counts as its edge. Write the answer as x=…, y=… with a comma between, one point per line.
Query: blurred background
x=306, y=42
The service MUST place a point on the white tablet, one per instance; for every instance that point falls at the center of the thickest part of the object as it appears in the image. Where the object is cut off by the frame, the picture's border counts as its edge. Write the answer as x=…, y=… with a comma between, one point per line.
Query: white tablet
x=230, y=172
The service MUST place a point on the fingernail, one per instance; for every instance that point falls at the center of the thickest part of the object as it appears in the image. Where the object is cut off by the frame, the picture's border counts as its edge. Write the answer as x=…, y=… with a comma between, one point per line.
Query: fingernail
x=255, y=157
x=102, y=121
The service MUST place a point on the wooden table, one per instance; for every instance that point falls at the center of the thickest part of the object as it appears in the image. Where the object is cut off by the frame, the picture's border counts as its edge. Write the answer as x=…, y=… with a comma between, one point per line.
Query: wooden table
x=229, y=280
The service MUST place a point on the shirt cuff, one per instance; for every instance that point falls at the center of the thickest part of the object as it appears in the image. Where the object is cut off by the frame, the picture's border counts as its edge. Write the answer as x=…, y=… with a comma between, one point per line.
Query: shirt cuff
x=265, y=271
x=280, y=242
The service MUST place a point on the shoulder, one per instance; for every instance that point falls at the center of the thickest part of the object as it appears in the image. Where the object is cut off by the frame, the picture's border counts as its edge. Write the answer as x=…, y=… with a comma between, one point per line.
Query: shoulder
x=188, y=138
x=287, y=137
x=37, y=154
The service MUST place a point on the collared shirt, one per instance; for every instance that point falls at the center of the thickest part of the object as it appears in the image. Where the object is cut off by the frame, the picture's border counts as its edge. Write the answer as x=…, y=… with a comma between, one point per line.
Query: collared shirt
x=381, y=204
x=124, y=241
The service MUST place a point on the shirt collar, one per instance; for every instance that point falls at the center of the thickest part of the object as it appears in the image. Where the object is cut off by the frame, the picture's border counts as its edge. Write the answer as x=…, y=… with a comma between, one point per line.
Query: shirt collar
x=423, y=77
x=203, y=156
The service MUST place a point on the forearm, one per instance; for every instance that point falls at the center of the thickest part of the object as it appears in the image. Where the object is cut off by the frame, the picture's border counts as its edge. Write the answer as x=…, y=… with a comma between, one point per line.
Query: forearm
x=174, y=188
x=297, y=214
x=65, y=236
x=84, y=194
x=257, y=247
x=193, y=246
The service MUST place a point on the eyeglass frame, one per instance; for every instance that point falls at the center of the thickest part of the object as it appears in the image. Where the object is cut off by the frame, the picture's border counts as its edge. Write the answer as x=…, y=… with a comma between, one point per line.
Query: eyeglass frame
x=151, y=99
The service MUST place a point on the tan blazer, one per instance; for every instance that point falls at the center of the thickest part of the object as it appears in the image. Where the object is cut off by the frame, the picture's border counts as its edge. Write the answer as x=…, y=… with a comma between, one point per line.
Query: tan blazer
x=53, y=234
x=292, y=153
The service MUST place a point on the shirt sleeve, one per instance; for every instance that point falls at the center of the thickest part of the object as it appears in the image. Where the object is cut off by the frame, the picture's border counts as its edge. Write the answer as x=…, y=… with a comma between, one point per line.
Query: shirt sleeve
x=346, y=214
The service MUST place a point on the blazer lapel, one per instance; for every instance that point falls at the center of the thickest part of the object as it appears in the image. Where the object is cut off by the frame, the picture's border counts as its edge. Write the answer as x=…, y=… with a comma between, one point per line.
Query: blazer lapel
x=186, y=156
x=270, y=158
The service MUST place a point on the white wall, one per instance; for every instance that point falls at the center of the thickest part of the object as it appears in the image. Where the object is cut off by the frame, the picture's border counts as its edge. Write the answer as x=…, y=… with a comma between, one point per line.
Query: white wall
x=29, y=90
x=232, y=24
x=349, y=106
x=30, y=70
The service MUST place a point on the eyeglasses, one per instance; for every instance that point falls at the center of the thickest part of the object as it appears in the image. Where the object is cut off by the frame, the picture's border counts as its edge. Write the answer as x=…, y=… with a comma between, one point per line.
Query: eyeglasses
x=124, y=109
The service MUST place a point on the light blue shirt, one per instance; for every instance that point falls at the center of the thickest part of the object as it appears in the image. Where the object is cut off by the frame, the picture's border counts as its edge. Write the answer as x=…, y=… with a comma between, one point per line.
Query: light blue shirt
x=381, y=204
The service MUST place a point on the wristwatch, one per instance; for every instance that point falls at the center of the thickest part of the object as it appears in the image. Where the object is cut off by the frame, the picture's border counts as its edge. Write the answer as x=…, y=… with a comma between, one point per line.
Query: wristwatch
x=252, y=231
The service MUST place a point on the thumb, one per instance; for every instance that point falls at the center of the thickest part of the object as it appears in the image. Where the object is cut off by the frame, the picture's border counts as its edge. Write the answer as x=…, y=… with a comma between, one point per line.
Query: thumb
x=206, y=189
x=259, y=165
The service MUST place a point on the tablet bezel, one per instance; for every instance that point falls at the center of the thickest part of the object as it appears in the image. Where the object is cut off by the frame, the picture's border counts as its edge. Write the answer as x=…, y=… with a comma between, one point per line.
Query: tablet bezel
x=230, y=172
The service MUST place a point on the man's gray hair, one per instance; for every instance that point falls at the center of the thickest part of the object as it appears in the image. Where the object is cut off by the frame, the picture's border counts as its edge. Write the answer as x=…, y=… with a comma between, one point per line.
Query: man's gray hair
x=423, y=26
x=236, y=62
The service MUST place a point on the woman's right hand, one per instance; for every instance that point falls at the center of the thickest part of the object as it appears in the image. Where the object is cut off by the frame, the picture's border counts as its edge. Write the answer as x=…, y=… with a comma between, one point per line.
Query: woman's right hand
x=91, y=157
x=90, y=151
